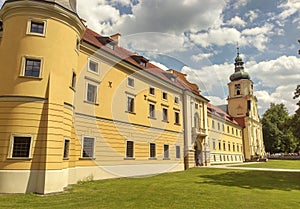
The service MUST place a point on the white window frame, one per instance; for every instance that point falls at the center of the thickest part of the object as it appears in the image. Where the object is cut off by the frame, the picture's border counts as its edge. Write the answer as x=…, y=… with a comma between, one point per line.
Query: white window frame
x=30, y=21
x=86, y=92
x=152, y=113
x=98, y=66
x=175, y=122
x=94, y=146
x=127, y=82
x=127, y=107
x=23, y=66
x=11, y=144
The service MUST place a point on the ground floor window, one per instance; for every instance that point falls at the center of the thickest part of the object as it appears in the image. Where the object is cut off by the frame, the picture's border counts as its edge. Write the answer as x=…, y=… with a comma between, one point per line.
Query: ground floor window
x=88, y=147
x=21, y=146
x=129, y=149
x=177, y=152
x=152, y=150
x=166, y=151
x=66, y=149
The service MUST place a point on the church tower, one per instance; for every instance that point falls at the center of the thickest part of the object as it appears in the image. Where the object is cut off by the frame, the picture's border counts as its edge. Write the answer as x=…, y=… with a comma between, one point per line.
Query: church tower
x=242, y=106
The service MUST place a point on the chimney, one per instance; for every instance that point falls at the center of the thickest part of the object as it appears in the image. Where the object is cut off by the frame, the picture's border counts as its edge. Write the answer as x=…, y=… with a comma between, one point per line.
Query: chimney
x=116, y=37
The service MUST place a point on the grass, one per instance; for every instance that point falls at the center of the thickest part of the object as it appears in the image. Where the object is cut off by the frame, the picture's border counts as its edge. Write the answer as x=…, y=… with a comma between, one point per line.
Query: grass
x=282, y=164
x=195, y=188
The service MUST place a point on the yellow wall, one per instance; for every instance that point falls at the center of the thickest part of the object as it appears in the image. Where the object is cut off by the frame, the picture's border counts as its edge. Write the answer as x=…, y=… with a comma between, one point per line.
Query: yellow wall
x=219, y=135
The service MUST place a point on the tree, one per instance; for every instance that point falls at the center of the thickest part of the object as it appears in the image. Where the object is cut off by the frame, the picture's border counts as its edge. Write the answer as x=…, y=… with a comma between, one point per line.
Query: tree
x=277, y=132
x=295, y=123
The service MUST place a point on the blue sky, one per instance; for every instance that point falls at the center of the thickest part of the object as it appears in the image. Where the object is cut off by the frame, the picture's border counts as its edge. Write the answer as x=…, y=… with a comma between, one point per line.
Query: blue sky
x=199, y=38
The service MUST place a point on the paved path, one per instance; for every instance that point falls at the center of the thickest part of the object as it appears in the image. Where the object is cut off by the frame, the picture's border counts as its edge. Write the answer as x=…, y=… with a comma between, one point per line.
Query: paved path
x=231, y=166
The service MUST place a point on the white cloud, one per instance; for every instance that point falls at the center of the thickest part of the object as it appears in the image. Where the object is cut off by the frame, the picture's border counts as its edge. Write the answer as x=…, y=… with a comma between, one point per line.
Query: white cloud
x=265, y=29
x=239, y=4
x=216, y=36
x=236, y=21
x=290, y=8
x=217, y=100
x=252, y=15
x=279, y=72
x=201, y=56
x=152, y=16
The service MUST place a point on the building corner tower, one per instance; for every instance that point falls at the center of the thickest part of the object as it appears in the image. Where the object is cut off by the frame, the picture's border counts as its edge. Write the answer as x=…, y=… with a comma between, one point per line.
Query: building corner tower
x=39, y=43
x=242, y=106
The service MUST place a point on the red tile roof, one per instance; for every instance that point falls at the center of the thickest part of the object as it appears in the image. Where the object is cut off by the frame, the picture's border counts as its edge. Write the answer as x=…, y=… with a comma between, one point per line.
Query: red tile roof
x=180, y=81
x=220, y=113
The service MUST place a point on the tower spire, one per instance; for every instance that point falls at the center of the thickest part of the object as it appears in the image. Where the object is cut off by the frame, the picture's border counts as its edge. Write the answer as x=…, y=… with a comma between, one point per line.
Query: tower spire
x=239, y=72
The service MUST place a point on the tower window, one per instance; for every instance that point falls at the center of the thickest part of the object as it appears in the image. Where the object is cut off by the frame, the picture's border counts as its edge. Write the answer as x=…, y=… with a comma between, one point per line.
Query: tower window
x=93, y=67
x=237, y=89
x=32, y=67
x=21, y=146
x=1, y=26
x=36, y=27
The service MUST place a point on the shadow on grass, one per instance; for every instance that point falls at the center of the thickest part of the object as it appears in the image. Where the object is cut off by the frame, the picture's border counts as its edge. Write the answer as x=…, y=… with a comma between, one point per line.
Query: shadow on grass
x=265, y=180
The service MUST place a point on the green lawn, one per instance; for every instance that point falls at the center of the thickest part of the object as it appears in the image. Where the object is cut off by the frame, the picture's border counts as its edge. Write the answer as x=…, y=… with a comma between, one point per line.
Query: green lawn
x=283, y=164
x=194, y=188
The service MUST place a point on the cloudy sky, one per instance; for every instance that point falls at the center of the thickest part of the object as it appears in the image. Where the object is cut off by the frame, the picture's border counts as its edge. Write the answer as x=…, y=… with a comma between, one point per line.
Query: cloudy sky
x=199, y=38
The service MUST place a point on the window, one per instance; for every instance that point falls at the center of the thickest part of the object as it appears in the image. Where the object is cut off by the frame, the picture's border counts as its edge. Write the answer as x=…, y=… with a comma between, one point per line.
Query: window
x=73, y=82
x=224, y=146
x=1, y=26
x=219, y=145
x=228, y=146
x=219, y=126
x=152, y=150
x=165, y=114
x=213, y=124
x=196, y=106
x=236, y=132
x=237, y=147
x=165, y=96
x=177, y=120
x=151, y=110
x=91, y=93
x=93, y=66
x=77, y=44
x=130, y=104
x=66, y=149
x=21, y=146
x=233, y=147
x=129, y=149
x=142, y=63
x=232, y=131
x=166, y=151
x=223, y=127
x=214, y=144
x=130, y=82
x=88, y=147
x=152, y=91
x=177, y=151
x=111, y=46
x=237, y=89
x=176, y=100
x=36, y=27
x=32, y=67
x=227, y=129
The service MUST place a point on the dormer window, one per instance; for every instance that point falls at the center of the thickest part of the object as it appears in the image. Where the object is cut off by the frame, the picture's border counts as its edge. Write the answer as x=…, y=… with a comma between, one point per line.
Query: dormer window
x=111, y=46
x=143, y=64
x=142, y=61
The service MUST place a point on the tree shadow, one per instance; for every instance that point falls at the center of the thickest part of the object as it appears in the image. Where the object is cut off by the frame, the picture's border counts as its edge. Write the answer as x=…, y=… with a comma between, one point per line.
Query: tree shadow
x=265, y=180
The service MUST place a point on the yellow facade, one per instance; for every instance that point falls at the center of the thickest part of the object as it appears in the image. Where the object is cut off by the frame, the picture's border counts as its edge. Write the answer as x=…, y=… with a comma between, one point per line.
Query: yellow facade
x=225, y=140
x=75, y=108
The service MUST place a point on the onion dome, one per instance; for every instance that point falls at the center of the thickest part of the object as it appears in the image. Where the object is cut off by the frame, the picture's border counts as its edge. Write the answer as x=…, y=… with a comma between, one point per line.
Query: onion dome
x=239, y=69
